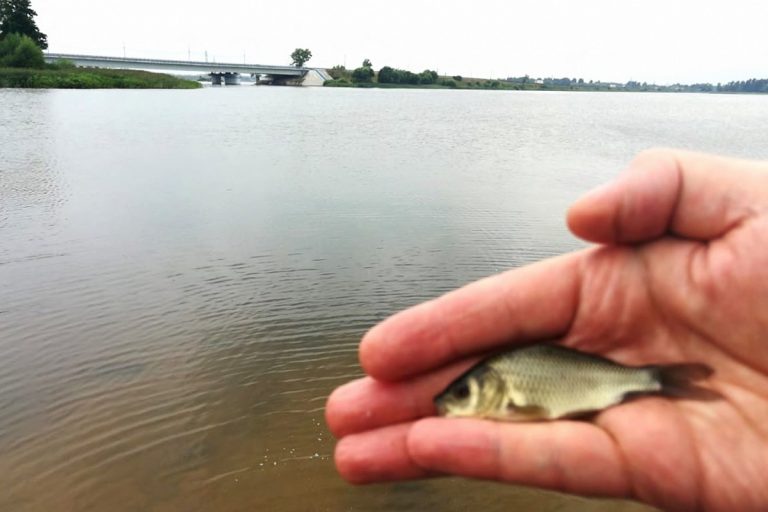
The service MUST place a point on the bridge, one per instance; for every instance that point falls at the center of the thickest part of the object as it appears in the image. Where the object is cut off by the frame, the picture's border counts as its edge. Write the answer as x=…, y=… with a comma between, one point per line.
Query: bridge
x=228, y=73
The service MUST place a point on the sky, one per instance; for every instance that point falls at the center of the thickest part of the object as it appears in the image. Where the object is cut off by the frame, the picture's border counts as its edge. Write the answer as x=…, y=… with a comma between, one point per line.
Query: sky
x=660, y=41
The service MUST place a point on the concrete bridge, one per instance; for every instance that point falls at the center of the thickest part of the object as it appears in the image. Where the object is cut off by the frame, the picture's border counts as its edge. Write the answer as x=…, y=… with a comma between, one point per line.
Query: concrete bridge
x=228, y=73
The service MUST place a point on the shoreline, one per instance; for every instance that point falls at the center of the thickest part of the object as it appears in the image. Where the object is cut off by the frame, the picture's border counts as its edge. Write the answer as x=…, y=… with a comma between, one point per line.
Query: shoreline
x=90, y=78
x=506, y=86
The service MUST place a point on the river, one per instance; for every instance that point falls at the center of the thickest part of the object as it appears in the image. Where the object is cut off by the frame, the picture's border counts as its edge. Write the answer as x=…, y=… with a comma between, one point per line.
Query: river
x=185, y=275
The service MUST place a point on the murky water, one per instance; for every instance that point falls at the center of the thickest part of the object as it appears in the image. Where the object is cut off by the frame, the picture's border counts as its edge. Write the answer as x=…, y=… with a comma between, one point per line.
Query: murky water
x=184, y=275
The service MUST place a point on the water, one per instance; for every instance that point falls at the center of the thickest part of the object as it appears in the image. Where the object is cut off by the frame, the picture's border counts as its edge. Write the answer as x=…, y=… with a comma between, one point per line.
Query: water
x=185, y=274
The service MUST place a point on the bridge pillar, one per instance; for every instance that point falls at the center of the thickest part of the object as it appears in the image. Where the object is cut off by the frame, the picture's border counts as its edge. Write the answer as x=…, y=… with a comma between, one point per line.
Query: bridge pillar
x=215, y=78
x=231, y=78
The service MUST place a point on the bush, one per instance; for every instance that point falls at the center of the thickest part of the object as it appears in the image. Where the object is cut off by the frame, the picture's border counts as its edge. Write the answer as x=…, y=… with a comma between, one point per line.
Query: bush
x=339, y=72
x=62, y=64
x=20, y=52
x=458, y=78
x=448, y=83
x=388, y=75
x=362, y=75
x=341, y=82
x=427, y=77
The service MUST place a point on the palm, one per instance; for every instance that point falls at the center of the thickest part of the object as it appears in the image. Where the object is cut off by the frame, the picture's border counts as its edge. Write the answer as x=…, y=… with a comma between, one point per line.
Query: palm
x=669, y=452
x=699, y=296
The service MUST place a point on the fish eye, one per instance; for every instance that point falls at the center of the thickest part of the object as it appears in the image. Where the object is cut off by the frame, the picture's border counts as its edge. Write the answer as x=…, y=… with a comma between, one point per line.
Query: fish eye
x=461, y=391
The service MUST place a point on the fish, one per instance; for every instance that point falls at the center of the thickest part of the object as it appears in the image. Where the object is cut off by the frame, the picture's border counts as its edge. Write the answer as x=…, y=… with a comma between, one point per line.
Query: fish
x=549, y=382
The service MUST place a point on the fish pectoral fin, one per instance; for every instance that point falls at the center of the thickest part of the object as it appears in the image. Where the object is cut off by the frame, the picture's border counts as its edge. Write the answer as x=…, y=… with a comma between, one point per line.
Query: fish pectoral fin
x=532, y=412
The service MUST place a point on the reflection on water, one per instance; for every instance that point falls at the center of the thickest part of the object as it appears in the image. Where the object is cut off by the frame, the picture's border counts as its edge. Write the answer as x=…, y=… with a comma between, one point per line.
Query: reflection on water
x=186, y=274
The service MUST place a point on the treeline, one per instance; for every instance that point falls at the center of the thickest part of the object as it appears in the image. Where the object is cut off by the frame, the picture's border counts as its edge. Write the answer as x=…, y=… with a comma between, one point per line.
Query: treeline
x=387, y=75
x=751, y=85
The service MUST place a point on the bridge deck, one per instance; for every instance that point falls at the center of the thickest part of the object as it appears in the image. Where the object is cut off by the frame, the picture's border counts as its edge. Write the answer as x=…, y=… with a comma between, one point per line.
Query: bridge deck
x=175, y=65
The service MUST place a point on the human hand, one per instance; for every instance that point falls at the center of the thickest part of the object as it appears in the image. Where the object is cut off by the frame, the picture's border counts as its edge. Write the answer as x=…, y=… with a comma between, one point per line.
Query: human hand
x=680, y=275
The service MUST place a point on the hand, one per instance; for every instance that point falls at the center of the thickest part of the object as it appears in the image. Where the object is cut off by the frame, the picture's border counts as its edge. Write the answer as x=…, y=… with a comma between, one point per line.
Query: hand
x=680, y=275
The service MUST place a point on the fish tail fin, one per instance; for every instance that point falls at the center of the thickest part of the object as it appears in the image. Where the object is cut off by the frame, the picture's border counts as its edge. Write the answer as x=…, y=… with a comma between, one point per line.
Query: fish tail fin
x=677, y=380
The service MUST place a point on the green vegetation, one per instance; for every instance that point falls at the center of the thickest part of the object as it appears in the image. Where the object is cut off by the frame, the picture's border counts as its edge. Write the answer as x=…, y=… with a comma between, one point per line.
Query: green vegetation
x=338, y=82
x=751, y=85
x=66, y=76
x=300, y=56
x=338, y=72
x=364, y=74
x=389, y=77
x=17, y=17
x=19, y=51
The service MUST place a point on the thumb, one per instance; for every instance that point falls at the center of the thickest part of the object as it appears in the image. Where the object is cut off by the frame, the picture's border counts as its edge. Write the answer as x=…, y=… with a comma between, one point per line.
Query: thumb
x=691, y=195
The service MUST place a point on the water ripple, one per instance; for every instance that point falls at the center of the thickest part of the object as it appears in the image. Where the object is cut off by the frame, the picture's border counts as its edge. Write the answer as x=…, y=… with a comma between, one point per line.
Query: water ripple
x=177, y=304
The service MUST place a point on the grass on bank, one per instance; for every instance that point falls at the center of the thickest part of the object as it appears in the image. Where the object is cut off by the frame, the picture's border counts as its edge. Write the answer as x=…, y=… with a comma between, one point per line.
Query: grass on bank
x=65, y=77
x=443, y=82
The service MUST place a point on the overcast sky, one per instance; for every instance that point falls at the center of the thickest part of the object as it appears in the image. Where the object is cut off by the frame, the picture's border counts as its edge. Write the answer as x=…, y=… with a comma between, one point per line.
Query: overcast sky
x=662, y=41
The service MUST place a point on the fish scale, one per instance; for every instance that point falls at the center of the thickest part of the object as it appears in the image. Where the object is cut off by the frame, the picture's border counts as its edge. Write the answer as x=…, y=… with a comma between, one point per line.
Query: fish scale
x=567, y=382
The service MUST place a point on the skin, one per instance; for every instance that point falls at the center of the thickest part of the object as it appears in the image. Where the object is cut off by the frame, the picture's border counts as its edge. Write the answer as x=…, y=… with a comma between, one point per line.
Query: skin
x=679, y=273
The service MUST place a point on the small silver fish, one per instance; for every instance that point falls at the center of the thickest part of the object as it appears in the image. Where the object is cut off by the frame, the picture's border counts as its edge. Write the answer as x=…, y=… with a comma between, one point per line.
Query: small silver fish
x=546, y=382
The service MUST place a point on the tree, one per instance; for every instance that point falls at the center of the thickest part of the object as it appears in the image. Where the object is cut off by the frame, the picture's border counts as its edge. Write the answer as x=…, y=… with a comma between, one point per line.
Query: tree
x=299, y=57
x=17, y=51
x=428, y=77
x=17, y=17
x=388, y=75
x=362, y=75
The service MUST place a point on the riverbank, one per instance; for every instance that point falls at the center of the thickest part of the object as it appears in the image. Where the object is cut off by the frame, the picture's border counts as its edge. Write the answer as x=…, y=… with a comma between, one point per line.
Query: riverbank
x=431, y=80
x=90, y=78
x=447, y=82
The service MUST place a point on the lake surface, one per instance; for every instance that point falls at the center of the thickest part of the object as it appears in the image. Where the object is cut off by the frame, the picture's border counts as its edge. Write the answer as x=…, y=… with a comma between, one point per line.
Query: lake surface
x=185, y=275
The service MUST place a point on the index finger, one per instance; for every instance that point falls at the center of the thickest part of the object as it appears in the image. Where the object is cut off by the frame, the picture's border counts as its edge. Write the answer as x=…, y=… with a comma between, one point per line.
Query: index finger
x=525, y=304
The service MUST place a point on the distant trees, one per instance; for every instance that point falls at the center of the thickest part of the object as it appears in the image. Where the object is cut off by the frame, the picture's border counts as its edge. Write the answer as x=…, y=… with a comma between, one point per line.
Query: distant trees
x=389, y=75
x=299, y=57
x=364, y=74
x=17, y=17
x=427, y=77
x=751, y=85
x=20, y=51
x=339, y=72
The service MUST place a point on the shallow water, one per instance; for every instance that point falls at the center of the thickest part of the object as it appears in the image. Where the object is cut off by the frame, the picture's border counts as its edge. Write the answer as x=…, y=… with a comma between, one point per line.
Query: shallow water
x=184, y=275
